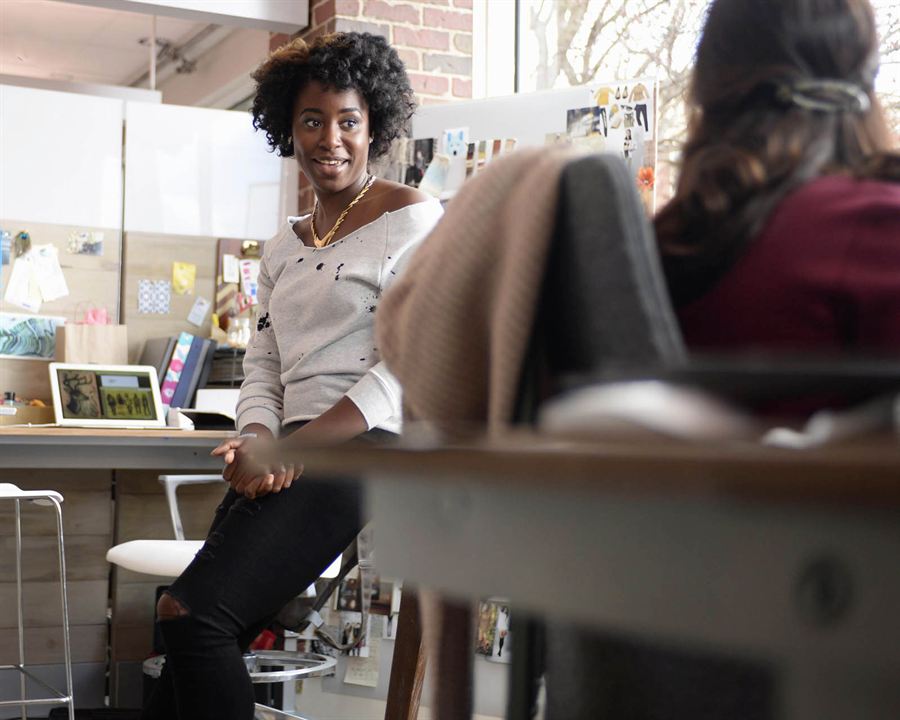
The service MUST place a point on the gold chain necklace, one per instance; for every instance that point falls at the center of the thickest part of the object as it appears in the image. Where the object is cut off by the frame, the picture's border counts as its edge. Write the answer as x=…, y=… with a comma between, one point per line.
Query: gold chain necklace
x=322, y=242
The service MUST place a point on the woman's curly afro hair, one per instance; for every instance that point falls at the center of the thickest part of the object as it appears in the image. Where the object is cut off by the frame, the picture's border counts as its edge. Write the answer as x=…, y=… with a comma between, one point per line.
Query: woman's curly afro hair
x=343, y=61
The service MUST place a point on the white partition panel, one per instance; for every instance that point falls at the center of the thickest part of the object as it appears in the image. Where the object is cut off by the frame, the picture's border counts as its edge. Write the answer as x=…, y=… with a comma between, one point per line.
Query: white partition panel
x=60, y=157
x=527, y=117
x=196, y=171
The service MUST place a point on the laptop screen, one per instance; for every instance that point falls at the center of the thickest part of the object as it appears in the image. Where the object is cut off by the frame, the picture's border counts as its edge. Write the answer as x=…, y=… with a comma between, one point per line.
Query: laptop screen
x=111, y=396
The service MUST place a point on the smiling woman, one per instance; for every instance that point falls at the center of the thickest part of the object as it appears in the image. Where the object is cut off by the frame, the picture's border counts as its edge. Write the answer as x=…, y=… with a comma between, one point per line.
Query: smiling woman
x=313, y=372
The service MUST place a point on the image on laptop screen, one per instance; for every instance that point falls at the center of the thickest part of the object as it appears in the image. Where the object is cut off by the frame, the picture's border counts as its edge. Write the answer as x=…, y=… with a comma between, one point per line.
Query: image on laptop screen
x=111, y=394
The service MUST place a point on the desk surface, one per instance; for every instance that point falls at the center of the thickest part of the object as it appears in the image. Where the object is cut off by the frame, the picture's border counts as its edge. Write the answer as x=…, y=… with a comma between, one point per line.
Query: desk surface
x=780, y=554
x=863, y=473
x=109, y=449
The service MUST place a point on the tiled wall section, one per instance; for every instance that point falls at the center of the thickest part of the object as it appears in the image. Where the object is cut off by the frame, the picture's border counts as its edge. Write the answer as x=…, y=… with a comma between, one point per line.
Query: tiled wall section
x=433, y=37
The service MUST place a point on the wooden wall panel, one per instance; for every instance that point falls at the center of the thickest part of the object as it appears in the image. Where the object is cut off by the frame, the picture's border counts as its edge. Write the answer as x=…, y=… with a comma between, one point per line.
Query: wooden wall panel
x=150, y=257
x=85, y=558
x=44, y=645
x=87, y=603
x=88, y=530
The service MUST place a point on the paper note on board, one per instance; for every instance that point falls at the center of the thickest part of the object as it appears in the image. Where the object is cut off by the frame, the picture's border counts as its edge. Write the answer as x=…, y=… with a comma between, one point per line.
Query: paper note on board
x=363, y=670
x=50, y=278
x=22, y=289
x=230, y=271
x=183, y=278
x=198, y=312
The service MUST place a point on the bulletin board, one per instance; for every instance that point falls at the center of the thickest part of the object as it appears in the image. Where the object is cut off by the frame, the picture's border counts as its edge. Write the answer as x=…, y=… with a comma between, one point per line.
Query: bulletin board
x=149, y=259
x=615, y=116
x=91, y=272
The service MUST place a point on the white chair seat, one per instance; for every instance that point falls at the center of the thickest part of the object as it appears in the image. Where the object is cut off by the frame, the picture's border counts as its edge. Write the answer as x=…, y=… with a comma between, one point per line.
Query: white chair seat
x=14, y=492
x=167, y=558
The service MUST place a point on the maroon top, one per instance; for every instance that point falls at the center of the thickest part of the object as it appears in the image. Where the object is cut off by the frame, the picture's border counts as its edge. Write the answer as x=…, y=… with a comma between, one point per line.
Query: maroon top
x=822, y=277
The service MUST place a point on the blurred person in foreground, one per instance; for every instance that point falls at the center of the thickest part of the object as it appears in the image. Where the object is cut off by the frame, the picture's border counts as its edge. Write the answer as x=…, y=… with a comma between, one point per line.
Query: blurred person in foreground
x=784, y=233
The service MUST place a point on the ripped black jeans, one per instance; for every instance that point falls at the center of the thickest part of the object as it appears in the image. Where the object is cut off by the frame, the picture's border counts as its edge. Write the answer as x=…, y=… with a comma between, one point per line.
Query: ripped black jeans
x=258, y=555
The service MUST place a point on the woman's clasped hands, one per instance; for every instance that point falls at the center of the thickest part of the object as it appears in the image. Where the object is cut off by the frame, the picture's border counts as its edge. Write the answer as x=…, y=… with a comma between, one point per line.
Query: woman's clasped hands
x=248, y=469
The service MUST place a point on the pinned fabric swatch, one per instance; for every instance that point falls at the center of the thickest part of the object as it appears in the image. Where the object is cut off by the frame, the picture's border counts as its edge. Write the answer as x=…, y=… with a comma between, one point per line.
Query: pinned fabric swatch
x=183, y=277
x=154, y=297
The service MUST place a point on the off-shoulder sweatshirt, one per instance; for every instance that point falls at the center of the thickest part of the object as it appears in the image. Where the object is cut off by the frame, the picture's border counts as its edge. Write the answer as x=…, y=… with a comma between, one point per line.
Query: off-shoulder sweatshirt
x=314, y=341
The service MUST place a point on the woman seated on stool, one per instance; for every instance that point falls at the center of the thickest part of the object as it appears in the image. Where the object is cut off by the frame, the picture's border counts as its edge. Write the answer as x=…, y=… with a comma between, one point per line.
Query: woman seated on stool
x=312, y=369
x=784, y=232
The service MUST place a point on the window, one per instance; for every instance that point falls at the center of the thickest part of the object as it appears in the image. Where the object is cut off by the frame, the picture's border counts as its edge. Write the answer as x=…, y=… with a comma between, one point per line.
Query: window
x=563, y=43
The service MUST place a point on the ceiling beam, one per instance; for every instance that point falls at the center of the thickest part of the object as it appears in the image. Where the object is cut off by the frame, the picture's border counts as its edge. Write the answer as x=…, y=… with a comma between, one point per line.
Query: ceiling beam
x=286, y=17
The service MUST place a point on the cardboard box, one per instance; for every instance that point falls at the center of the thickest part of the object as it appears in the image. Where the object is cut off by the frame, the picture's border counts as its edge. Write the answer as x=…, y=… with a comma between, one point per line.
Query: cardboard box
x=25, y=414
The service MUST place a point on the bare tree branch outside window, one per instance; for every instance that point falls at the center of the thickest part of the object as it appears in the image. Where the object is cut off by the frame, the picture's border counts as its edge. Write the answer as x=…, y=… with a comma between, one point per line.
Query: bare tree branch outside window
x=575, y=42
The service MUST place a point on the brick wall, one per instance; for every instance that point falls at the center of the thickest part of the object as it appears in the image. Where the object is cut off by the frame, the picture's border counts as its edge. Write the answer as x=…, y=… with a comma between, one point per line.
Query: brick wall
x=433, y=38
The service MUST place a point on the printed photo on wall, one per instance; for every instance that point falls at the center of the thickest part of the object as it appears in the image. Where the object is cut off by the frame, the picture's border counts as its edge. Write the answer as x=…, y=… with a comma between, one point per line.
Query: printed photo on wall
x=348, y=596
x=622, y=121
x=493, y=639
x=350, y=631
x=85, y=242
x=422, y=155
x=455, y=141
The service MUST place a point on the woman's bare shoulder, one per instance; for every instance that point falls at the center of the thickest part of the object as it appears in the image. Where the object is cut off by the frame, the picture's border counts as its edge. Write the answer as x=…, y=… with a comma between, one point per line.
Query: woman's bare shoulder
x=393, y=196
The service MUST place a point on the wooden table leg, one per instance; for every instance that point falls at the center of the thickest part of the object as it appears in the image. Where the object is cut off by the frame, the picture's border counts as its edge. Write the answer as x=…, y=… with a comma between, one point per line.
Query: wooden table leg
x=453, y=674
x=408, y=664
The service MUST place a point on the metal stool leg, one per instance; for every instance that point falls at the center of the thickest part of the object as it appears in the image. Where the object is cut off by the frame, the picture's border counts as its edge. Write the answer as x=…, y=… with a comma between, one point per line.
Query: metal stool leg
x=64, y=602
x=46, y=498
x=20, y=608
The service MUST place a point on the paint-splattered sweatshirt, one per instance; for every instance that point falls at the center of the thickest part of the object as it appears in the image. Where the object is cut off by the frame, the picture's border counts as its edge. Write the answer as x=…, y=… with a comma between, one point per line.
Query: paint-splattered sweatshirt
x=314, y=341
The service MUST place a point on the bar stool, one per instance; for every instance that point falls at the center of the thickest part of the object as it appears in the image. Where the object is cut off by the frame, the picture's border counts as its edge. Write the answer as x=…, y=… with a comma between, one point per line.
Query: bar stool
x=8, y=491
x=169, y=558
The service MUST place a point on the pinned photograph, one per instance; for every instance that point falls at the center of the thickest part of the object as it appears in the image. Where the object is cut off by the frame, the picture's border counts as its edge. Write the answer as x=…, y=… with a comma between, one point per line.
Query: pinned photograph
x=587, y=121
x=351, y=631
x=348, y=595
x=85, y=242
x=5, y=246
x=455, y=141
x=493, y=639
x=422, y=155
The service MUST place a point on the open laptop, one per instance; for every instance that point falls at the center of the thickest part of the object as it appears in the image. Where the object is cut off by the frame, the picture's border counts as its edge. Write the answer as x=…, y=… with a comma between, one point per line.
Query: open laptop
x=106, y=396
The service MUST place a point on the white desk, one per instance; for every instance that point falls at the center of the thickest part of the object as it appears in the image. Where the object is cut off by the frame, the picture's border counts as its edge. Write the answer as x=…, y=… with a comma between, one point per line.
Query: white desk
x=791, y=557
x=108, y=449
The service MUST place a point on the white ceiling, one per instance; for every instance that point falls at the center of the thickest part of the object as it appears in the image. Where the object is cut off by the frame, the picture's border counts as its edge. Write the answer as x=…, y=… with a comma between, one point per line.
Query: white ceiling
x=62, y=41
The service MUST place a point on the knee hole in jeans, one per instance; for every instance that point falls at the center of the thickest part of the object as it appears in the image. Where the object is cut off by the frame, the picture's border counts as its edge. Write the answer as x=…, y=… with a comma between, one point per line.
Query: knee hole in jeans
x=168, y=608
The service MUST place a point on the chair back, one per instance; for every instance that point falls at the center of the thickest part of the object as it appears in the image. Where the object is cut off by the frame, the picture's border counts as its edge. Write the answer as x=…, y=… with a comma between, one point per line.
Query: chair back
x=604, y=302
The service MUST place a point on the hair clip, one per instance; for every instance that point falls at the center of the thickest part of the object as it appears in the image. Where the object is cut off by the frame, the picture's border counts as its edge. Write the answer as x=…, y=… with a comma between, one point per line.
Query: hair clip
x=824, y=95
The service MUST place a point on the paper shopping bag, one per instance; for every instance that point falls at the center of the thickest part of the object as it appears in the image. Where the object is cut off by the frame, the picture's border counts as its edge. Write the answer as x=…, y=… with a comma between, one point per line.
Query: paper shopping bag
x=98, y=344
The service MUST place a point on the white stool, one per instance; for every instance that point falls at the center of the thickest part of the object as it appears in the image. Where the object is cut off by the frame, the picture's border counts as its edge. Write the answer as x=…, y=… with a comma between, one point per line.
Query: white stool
x=169, y=558
x=9, y=491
